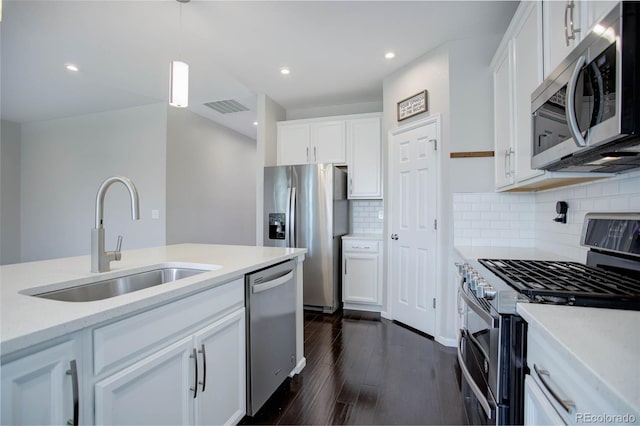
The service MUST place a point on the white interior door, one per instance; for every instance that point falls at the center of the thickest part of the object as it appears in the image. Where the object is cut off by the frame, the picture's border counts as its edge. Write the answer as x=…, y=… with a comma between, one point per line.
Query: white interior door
x=413, y=184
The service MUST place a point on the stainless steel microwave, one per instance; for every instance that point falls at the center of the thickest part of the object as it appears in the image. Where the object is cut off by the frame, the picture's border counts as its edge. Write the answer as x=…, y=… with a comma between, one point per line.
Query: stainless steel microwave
x=586, y=114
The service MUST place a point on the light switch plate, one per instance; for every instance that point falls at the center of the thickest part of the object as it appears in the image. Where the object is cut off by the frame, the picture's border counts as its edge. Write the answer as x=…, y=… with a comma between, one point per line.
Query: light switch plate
x=155, y=214
x=380, y=214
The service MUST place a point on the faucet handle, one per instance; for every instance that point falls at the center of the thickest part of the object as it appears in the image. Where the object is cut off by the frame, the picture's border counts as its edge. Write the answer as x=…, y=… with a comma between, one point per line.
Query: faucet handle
x=118, y=247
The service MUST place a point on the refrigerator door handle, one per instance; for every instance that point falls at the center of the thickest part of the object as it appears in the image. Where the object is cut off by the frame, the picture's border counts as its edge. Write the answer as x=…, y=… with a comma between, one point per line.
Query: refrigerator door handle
x=292, y=218
x=288, y=220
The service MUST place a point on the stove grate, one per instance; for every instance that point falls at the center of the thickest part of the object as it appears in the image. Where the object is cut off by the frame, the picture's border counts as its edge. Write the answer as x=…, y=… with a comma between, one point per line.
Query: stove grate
x=567, y=282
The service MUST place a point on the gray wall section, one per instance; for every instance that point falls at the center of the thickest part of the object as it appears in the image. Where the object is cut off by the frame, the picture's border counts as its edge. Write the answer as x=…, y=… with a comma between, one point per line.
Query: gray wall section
x=211, y=182
x=9, y=193
x=63, y=163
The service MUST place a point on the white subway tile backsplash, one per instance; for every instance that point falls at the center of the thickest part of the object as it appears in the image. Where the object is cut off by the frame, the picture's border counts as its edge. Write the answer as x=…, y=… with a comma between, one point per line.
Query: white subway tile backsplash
x=526, y=219
x=620, y=193
x=493, y=219
x=364, y=217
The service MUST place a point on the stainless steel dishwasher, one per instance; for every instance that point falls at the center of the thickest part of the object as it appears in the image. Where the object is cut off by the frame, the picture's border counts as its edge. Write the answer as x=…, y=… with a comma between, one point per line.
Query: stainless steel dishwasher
x=271, y=336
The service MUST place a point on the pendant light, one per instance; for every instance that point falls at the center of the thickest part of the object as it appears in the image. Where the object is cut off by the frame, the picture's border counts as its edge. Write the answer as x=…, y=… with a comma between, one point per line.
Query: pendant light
x=179, y=76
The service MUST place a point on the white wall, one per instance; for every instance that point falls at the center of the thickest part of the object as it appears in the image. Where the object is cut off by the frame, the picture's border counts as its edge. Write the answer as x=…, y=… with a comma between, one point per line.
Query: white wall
x=329, y=111
x=269, y=113
x=471, y=106
x=63, y=163
x=460, y=88
x=211, y=182
x=9, y=193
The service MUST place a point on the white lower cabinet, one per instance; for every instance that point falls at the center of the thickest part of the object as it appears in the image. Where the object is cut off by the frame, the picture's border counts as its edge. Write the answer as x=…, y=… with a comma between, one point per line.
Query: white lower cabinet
x=152, y=391
x=537, y=408
x=221, y=399
x=198, y=380
x=361, y=275
x=43, y=387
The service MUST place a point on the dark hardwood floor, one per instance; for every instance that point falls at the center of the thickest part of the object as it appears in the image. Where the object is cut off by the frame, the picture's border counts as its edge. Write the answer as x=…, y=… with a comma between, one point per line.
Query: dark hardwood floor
x=363, y=370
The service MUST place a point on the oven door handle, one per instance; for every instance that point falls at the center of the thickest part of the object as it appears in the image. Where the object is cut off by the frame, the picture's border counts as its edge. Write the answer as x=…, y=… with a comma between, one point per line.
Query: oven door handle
x=487, y=406
x=482, y=313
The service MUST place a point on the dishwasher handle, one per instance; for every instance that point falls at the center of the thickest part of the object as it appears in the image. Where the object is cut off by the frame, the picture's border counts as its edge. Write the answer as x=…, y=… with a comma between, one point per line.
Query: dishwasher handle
x=257, y=288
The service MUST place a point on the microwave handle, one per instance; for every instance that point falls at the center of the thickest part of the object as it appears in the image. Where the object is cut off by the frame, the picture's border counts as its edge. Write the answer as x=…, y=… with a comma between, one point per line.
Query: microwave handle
x=570, y=104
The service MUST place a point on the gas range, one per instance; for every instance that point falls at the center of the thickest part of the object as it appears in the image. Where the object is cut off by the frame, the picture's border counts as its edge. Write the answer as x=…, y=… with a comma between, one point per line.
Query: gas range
x=609, y=279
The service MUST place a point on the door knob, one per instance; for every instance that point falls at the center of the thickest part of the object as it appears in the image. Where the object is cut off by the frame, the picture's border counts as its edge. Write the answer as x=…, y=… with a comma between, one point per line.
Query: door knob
x=394, y=237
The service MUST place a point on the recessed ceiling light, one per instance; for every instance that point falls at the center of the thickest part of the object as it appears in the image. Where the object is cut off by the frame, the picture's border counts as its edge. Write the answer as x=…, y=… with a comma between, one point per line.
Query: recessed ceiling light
x=389, y=55
x=255, y=123
x=71, y=67
x=285, y=71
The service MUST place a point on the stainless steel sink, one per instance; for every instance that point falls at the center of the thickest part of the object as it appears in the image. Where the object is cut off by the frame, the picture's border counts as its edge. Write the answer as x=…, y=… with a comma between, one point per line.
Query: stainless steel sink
x=121, y=285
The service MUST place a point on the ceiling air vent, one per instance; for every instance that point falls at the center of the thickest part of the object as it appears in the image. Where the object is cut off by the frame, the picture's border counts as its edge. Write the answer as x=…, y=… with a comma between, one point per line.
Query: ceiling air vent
x=227, y=107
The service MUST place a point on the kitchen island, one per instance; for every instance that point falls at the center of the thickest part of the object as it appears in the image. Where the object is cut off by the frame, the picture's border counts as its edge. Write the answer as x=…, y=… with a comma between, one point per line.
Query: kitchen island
x=118, y=342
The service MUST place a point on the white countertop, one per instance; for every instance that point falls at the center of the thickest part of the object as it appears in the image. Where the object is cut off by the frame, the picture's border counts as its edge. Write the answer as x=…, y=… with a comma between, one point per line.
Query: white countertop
x=377, y=237
x=605, y=344
x=26, y=320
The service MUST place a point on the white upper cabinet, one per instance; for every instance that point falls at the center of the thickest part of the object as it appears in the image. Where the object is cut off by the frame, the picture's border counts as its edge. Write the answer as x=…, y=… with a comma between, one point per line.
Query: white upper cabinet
x=517, y=72
x=503, y=118
x=562, y=30
x=354, y=140
x=527, y=74
x=364, y=159
x=328, y=142
x=293, y=143
x=310, y=142
x=565, y=23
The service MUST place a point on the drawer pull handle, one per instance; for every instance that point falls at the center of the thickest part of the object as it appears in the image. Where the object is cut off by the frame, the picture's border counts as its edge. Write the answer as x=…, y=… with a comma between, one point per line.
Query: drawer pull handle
x=204, y=367
x=545, y=378
x=194, y=355
x=361, y=247
x=73, y=372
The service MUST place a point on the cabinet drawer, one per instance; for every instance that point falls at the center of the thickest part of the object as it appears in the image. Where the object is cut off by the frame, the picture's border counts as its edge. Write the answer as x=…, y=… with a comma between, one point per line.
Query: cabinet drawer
x=360, y=246
x=130, y=338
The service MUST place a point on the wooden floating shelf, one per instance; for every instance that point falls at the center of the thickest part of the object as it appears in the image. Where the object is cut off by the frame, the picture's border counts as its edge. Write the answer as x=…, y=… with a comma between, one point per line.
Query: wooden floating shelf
x=472, y=154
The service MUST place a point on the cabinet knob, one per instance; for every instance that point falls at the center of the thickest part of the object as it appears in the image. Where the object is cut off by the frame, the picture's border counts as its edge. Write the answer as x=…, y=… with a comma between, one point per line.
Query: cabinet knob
x=394, y=237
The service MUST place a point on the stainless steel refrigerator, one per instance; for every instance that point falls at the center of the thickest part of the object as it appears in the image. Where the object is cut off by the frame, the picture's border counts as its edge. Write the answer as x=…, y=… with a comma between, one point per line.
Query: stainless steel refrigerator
x=306, y=206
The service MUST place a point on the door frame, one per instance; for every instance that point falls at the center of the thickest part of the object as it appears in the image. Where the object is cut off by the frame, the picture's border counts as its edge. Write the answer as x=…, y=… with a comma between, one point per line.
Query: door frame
x=441, y=234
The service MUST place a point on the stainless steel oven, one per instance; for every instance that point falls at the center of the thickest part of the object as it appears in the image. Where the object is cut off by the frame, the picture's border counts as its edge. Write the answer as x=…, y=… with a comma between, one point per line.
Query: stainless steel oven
x=490, y=353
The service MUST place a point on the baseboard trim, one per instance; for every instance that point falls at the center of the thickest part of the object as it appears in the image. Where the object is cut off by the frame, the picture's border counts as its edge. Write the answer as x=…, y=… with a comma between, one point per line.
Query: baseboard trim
x=447, y=341
x=301, y=364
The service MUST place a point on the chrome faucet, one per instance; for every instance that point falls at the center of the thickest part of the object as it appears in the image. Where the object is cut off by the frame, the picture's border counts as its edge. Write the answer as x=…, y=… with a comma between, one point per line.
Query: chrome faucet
x=100, y=259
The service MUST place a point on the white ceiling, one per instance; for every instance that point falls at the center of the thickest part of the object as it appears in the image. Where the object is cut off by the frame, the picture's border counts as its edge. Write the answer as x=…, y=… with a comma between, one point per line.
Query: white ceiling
x=235, y=49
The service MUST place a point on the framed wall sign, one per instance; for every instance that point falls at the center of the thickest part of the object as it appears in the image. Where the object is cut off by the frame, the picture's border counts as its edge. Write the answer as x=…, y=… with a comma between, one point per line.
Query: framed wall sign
x=414, y=105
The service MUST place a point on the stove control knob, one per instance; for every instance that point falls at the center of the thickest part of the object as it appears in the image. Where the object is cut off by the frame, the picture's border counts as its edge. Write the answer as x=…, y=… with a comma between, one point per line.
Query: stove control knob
x=481, y=287
x=473, y=281
x=490, y=292
x=469, y=273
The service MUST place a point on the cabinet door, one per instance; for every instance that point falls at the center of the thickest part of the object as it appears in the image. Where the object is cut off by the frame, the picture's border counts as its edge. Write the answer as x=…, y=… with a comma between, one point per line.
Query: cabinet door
x=527, y=72
x=37, y=390
x=155, y=390
x=537, y=408
x=557, y=45
x=364, y=159
x=360, y=278
x=503, y=119
x=328, y=142
x=293, y=143
x=593, y=11
x=222, y=381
